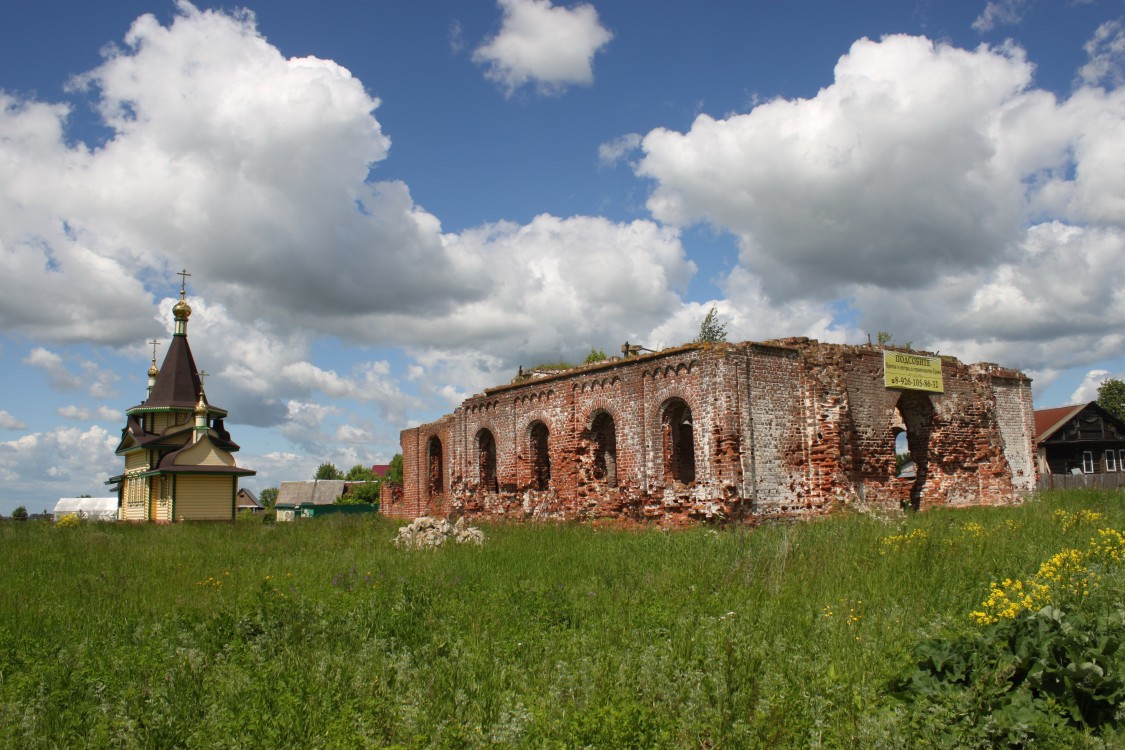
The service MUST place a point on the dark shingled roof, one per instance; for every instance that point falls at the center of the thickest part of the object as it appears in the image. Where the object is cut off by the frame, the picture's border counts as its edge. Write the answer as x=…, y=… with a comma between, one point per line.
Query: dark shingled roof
x=178, y=383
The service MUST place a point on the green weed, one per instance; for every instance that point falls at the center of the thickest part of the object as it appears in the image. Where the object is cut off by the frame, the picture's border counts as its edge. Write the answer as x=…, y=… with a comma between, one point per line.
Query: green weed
x=322, y=634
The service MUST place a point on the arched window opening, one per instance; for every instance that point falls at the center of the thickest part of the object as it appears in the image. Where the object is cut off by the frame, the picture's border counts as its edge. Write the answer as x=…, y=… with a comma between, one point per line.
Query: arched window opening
x=486, y=460
x=540, y=457
x=679, y=442
x=434, y=466
x=604, y=434
x=904, y=462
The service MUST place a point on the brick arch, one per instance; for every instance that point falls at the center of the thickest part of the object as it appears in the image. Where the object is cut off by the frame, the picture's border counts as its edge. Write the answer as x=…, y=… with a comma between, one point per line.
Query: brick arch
x=485, y=444
x=677, y=440
x=538, y=439
x=599, y=445
x=435, y=466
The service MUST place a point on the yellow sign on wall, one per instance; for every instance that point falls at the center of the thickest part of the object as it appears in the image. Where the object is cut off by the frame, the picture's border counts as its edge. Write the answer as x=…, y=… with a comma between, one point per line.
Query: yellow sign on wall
x=913, y=372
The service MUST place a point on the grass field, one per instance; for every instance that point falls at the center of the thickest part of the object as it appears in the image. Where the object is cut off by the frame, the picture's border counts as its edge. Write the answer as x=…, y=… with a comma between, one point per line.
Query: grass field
x=323, y=634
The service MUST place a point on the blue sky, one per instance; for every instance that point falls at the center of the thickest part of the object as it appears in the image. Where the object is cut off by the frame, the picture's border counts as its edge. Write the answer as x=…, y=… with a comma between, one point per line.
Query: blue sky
x=386, y=207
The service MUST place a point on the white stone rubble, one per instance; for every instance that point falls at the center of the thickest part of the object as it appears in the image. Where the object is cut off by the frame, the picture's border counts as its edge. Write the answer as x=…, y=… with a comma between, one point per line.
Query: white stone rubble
x=426, y=532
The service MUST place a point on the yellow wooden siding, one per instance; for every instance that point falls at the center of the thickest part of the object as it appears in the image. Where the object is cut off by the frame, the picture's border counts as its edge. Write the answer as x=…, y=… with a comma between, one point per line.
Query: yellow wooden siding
x=204, y=498
x=136, y=461
x=164, y=421
x=135, y=500
x=204, y=453
x=160, y=507
x=178, y=436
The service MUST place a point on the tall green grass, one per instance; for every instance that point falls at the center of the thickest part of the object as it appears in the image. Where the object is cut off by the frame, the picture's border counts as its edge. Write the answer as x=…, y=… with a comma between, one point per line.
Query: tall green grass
x=323, y=634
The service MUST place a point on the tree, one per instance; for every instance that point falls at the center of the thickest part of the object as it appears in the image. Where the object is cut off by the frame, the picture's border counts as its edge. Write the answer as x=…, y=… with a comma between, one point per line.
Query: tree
x=268, y=497
x=1111, y=397
x=595, y=355
x=884, y=339
x=328, y=470
x=19, y=514
x=394, y=471
x=711, y=331
x=366, y=492
x=360, y=473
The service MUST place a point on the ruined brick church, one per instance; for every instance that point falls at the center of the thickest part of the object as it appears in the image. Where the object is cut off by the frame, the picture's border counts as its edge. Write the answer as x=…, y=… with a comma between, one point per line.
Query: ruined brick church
x=737, y=432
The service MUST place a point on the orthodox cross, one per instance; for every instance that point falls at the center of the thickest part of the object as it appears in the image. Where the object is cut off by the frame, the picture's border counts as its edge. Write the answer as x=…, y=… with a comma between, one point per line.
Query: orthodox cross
x=183, y=283
x=154, y=343
x=202, y=377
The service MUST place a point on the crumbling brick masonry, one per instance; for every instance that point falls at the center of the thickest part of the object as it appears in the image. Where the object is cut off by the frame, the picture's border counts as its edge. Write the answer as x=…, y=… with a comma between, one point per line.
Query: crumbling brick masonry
x=723, y=432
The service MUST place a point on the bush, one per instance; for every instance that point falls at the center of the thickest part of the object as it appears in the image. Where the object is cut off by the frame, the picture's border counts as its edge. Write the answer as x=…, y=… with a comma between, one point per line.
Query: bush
x=1051, y=653
x=69, y=521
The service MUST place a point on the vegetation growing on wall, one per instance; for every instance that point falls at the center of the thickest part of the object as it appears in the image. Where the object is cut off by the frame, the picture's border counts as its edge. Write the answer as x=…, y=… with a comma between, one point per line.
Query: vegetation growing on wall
x=711, y=329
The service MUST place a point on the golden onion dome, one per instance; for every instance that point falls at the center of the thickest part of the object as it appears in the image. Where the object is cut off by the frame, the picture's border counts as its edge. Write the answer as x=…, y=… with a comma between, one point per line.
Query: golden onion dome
x=182, y=310
x=201, y=407
x=152, y=371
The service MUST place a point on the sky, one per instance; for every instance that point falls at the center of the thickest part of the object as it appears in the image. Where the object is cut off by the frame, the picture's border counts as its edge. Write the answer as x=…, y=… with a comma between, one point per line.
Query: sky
x=388, y=207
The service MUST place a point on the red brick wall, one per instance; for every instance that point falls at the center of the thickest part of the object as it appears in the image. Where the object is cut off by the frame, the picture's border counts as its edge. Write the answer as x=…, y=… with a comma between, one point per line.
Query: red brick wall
x=788, y=427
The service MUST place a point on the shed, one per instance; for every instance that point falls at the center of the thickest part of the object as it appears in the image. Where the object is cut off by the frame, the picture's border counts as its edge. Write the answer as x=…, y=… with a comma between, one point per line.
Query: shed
x=86, y=508
x=315, y=498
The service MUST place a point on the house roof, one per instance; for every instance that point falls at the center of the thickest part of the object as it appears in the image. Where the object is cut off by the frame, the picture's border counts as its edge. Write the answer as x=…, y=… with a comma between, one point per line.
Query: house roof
x=380, y=470
x=1047, y=421
x=247, y=499
x=1050, y=421
x=316, y=492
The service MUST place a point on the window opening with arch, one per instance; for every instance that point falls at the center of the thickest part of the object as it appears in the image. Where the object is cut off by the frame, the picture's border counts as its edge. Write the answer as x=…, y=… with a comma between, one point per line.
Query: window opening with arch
x=603, y=438
x=540, y=456
x=914, y=416
x=486, y=460
x=434, y=466
x=678, y=441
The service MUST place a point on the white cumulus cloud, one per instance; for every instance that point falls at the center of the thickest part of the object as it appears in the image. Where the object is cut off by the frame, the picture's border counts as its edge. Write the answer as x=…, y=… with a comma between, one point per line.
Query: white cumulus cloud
x=551, y=46
x=931, y=190
x=8, y=422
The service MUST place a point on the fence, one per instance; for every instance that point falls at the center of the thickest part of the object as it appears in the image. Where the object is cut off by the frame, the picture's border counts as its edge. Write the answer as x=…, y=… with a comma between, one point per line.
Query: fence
x=1114, y=481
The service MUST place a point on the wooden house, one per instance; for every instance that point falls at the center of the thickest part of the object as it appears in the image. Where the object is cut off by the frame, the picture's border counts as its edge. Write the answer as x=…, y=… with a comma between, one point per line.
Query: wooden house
x=247, y=500
x=1082, y=440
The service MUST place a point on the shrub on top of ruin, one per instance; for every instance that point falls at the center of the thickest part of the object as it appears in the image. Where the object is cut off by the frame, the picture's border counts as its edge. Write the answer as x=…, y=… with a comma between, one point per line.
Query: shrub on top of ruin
x=595, y=355
x=711, y=330
x=886, y=339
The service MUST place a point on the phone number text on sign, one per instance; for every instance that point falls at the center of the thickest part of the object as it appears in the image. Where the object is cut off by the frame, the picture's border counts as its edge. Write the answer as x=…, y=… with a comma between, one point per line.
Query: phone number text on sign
x=912, y=371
